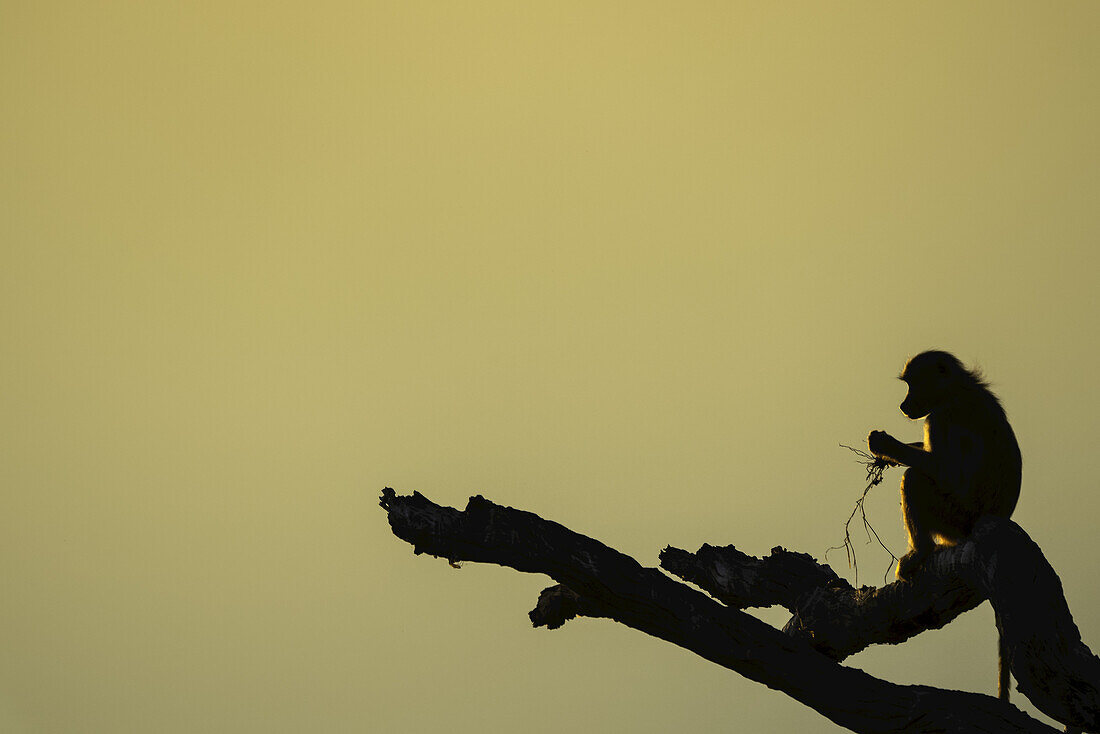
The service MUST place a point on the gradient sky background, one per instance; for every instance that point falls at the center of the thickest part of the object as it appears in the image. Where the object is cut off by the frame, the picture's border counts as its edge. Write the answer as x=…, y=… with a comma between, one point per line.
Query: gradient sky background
x=637, y=267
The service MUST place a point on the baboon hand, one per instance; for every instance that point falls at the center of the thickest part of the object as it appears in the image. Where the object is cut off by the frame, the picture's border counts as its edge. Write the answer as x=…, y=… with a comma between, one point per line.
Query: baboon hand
x=878, y=442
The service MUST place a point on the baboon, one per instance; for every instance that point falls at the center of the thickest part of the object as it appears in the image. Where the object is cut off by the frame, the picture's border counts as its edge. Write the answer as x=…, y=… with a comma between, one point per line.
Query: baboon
x=967, y=466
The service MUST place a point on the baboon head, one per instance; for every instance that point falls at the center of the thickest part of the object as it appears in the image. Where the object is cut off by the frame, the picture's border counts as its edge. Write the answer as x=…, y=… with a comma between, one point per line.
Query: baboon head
x=932, y=378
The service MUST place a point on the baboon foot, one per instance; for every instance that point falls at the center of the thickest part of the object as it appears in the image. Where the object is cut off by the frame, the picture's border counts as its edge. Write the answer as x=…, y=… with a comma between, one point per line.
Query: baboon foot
x=910, y=562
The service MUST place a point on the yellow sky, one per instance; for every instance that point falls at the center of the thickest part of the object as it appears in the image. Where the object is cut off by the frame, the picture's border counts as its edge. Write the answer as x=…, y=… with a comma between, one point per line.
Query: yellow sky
x=637, y=267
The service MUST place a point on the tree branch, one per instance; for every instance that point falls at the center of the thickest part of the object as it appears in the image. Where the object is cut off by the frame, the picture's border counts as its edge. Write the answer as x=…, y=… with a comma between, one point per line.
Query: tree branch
x=603, y=582
x=1052, y=666
x=827, y=612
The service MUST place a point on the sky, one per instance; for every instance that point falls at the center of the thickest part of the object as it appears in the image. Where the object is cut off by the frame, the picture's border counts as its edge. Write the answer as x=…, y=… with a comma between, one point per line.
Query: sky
x=639, y=268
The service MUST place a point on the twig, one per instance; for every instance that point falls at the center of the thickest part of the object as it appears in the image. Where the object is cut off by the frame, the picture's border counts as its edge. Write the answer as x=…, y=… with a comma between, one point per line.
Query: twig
x=875, y=466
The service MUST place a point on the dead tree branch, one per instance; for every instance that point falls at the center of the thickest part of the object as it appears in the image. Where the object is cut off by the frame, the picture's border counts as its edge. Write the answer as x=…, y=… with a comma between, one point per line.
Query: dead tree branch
x=827, y=612
x=999, y=562
x=599, y=581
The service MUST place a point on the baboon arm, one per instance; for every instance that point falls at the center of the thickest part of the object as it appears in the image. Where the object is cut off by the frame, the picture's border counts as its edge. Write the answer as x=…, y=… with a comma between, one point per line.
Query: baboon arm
x=919, y=445
x=912, y=455
x=944, y=465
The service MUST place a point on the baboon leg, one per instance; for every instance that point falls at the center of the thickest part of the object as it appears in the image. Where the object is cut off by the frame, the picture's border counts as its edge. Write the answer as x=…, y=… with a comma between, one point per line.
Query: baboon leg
x=918, y=500
x=930, y=513
x=917, y=492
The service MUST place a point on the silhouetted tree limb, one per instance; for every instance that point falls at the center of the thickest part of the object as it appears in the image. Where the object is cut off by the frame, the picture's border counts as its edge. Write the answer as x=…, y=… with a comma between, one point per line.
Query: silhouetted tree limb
x=827, y=612
x=999, y=562
x=598, y=581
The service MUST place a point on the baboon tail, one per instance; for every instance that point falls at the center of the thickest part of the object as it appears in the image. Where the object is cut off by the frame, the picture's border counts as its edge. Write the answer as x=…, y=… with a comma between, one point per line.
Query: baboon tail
x=1004, y=682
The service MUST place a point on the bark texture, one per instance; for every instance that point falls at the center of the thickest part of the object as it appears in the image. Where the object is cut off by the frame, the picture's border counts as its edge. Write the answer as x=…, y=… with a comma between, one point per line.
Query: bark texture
x=830, y=618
